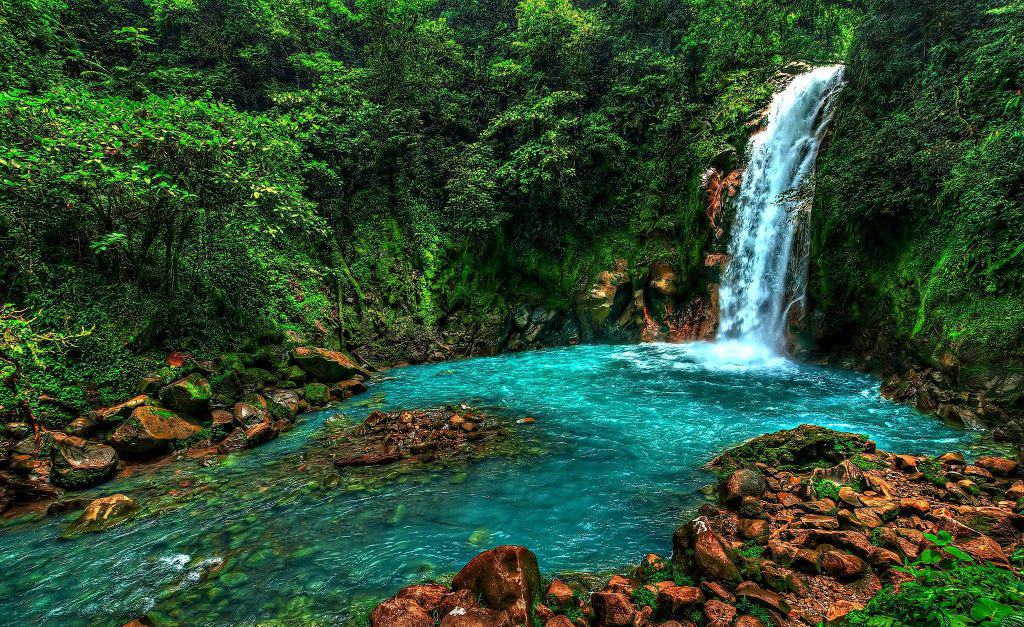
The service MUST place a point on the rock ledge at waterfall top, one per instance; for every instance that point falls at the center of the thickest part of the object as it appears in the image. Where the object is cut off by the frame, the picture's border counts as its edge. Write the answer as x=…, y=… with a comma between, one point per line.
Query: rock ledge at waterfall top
x=810, y=541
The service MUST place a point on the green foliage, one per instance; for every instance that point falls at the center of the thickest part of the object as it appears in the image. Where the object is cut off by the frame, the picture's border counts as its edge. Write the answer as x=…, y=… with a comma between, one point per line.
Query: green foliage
x=642, y=595
x=918, y=225
x=184, y=173
x=949, y=588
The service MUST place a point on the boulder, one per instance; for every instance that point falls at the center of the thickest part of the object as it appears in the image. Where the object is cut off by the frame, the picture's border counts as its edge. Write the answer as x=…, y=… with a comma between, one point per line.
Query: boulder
x=765, y=598
x=476, y=617
x=190, y=395
x=78, y=464
x=741, y=483
x=103, y=513
x=839, y=609
x=719, y=613
x=317, y=394
x=558, y=593
x=460, y=599
x=679, y=601
x=559, y=621
x=117, y=413
x=506, y=578
x=612, y=609
x=400, y=613
x=283, y=404
x=1001, y=466
x=327, y=366
x=753, y=529
x=710, y=554
x=427, y=595
x=150, y=430
x=221, y=423
x=915, y=507
x=842, y=565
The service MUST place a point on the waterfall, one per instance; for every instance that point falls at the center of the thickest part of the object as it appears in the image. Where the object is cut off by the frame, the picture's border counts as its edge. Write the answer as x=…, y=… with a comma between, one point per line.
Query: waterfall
x=757, y=290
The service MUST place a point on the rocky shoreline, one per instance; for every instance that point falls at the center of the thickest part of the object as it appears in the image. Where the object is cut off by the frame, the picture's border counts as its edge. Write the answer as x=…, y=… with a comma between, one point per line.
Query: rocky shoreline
x=810, y=526
x=191, y=407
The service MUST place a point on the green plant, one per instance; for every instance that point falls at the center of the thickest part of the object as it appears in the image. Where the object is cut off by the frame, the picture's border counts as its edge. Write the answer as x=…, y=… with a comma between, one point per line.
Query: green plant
x=752, y=551
x=948, y=588
x=642, y=595
x=748, y=608
x=826, y=489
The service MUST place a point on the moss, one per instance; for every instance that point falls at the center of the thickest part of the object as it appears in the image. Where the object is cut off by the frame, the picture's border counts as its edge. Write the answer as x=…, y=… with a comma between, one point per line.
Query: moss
x=807, y=446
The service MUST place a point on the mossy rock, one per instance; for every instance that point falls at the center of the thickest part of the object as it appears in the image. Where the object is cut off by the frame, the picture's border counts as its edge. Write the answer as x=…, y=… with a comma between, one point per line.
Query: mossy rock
x=150, y=430
x=317, y=393
x=807, y=446
x=189, y=395
x=79, y=464
x=327, y=366
x=256, y=378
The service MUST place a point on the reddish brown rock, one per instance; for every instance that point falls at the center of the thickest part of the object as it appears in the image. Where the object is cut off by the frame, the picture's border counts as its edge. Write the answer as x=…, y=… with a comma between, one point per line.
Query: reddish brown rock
x=741, y=483
x=906, y=463
x=1001, y=466
x=559, y=621
x=400, y=613
x=327, y=366
x=618, y=583
x=679, y=601
x=476, y=617
x=612, y=609
x=748, y=621
x=840, y=609
x=459, y=599
x=427, y=595
x=1016, y=491
x=765, y=598
x=952, y=459
x=558, y=593
x=842, y=565
x=710, y=554
x=916, y=507
x=150, y=430
x=983, y=548
x=753, y=529
x=506, y=578
x=719, y=614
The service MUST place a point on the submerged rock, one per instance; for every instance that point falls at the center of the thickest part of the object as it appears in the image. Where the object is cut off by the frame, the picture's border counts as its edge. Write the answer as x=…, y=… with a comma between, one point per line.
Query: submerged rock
x=102, y=514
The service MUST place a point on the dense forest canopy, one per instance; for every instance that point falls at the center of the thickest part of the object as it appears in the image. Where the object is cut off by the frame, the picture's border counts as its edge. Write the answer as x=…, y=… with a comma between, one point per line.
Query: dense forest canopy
x=195, y=173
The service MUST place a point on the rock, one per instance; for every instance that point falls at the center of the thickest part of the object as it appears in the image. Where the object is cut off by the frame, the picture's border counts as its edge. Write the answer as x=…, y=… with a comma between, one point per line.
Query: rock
x=907, y=463
x=317, y=394
x=679, y=601
x=400, y=613
x=283, y=404
x=427, y=595
x=916, y=507
x=842, y=565
x=558, y=593
x=374, y=458
x=1015, y=492
x=454, y=600
x=102, y=514
x=982, y=547
x=347, y=389
x=807, y=445
x=78, y=464
x=710, y=554
x=998, y=465
x=506, y=578
x=845, y=473
x=612, y=609
x=150, y=430
x=952, y=459
x=476, y=617
x=741, y=483
x=883, y=559
x=82, y=426
x=327, y=366
x=221, y=423
x=233, y=443
x=839, y=609
x=765, y=598
x=753, y=529
x=559, y=621
x=190, y=395
x=977, y=471
x=117, y=413
x=719, y=614
x=261, y=433
x=748, y=621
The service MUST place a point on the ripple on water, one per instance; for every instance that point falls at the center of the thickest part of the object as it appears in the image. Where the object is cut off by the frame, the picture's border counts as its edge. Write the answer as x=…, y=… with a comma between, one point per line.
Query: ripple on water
x=624, y=431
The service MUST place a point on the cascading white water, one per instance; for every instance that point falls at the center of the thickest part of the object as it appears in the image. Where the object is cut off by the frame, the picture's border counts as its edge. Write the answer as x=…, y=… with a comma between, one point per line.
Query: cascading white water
x=754, y=288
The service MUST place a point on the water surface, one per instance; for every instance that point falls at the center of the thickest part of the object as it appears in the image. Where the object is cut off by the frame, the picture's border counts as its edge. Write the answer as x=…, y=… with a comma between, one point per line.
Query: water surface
x=620, y=435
